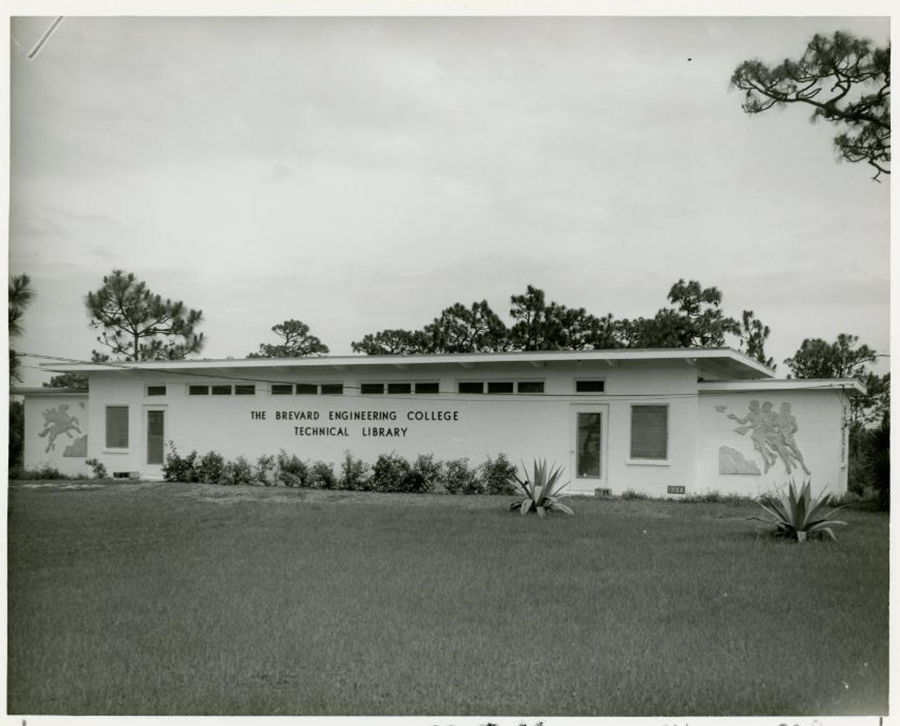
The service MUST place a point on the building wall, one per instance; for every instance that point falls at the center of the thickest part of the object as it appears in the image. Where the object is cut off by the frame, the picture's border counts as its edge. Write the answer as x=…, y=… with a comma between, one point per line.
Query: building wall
x=708, y=450
x=727, y=445
x=56, y=432
x=521, y=426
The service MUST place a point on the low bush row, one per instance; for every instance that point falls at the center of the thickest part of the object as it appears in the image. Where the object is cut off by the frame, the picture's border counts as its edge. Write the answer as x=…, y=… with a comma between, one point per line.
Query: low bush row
x=389, y=473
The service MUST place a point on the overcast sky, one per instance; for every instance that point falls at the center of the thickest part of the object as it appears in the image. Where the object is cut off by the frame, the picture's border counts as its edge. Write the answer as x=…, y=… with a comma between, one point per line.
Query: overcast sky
x=362, y=174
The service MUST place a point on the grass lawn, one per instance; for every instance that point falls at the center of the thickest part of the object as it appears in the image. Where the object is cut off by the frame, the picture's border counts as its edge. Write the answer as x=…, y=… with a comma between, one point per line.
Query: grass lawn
x=196, y=599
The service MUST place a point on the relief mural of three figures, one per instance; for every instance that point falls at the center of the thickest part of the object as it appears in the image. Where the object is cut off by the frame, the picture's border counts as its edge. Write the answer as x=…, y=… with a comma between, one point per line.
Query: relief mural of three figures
x=772, y=433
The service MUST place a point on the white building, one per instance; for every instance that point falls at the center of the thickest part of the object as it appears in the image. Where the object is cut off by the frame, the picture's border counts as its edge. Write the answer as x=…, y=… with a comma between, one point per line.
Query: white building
x=662, y=422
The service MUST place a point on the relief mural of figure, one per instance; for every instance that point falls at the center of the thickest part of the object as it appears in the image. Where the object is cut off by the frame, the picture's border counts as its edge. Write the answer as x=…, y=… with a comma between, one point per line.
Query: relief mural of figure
x=755, y=422
x=57, y=421
x=786, y=426
x=772, y=434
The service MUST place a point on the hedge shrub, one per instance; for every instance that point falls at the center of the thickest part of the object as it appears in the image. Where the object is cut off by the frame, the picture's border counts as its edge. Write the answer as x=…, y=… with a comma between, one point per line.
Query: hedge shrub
x=291, y=470
x=321, y=476
x=390, y=473
x=432, y=471
x=238, y=473
x=460, y=479
x=354, y=474
x=181, y=468
x=211, y=467
x=496, y=476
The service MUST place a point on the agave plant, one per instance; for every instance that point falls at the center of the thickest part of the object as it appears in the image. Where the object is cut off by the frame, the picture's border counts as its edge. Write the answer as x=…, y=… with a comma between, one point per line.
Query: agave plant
x=541, y=492
x=799, y=515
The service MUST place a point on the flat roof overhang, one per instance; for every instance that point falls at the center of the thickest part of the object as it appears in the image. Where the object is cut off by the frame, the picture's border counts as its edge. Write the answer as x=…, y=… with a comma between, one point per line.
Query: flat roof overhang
x=48, y=391
x=851, y=385
x=723, y=362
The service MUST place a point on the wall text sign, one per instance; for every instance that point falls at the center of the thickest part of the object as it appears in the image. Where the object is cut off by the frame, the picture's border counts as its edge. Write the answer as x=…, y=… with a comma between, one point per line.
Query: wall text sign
x=322, y=418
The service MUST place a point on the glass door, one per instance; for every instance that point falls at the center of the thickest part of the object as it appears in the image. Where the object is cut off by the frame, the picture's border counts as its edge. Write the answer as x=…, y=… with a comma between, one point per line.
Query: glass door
x=156, y=434
x=589, y=444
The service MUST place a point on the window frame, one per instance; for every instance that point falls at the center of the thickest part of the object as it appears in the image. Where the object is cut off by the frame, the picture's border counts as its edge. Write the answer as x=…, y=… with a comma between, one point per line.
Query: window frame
x=576, y=381
x=395, y=384
x=147, y=409
x=411, y=384
x=648, y=461
x=602, y=464
x=375, y=388
x=513, y=381
x=470, y=382
x=113, y=447
x=315, y=389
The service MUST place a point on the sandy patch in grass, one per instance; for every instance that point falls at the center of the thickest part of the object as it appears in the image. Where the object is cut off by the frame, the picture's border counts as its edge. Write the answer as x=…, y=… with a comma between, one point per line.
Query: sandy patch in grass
x=58, y=485
x=218, y=494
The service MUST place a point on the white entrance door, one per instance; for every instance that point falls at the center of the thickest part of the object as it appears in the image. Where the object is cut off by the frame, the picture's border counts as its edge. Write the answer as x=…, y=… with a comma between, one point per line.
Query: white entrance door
x=588, y=459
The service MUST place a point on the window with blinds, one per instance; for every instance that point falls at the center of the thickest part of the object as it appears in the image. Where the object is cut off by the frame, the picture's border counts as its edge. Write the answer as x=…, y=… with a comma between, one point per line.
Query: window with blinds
x=117, y=427
x=650, y=432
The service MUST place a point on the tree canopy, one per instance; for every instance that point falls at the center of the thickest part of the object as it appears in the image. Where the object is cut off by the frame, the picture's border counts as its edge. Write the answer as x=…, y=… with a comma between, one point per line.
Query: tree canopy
x=845, y=358
x=695, y=319
x=137, y=324
x=817, y=358
x=295, y=342
x=392, y=342
x=753, y=335
x=21, y=295
x=68, y=380
x=844, y=80
x=539, y=326
x=461, y=329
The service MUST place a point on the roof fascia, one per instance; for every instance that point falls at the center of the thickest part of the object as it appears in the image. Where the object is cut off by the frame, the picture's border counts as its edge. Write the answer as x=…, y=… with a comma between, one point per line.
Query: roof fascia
x=781, y=384
x=734, y=362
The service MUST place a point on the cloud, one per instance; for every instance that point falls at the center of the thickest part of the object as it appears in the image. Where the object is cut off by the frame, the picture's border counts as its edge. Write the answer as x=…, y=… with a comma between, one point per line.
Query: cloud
x=366, y=172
